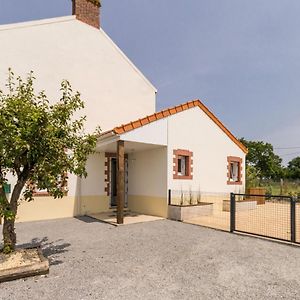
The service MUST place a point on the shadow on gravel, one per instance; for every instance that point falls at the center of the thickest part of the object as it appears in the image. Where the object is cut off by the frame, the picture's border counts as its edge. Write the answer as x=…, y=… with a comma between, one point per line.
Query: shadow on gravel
x=51, y=250
x=87, y=219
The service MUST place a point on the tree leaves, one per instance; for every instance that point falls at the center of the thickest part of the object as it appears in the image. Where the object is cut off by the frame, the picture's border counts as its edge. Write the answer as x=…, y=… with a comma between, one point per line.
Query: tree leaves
x=293, y=168
x=36, y=138
x=261, y=156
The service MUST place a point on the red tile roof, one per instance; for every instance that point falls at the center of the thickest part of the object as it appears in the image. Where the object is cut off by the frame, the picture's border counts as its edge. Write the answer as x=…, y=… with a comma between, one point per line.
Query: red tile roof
x=174, y=110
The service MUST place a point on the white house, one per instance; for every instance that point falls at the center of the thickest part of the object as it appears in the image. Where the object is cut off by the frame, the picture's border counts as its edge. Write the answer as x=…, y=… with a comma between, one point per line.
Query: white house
x=183, y=148
x=67, y=48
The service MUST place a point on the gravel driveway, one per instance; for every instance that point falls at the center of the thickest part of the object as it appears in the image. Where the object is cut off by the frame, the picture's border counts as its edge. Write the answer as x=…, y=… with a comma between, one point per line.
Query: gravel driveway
x=154, y=260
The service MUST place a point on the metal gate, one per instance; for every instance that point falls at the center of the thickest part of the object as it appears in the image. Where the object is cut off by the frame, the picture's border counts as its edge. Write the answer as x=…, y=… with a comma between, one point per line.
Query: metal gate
x=276, y=217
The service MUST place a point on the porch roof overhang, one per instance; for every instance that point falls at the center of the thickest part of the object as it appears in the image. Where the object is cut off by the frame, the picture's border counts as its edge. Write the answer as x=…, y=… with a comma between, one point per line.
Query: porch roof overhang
x=146, y=138
x=140, y=138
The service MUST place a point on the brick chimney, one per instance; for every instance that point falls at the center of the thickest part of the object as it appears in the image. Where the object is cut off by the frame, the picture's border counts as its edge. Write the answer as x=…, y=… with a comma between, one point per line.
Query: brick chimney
x=87, y=11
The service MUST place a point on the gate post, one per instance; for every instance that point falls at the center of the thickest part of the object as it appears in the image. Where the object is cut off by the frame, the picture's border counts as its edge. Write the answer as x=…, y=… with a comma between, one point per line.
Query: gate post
x=293, y=219
x=232, y=212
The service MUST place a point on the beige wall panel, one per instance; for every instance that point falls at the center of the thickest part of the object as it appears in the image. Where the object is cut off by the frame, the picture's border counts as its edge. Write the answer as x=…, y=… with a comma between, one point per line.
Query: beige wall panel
x=47, y=208
x=154, y=206
x=94, y=204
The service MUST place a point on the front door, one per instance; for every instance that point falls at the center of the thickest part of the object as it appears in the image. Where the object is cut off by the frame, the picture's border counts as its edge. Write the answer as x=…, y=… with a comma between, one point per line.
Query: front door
x=113, y=182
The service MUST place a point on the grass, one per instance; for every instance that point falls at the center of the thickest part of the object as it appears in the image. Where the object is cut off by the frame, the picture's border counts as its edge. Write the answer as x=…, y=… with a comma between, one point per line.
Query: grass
x=288, y=187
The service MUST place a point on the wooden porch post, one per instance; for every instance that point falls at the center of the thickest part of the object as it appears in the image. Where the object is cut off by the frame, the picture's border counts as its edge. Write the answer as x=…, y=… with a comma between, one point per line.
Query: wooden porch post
x=120, y=181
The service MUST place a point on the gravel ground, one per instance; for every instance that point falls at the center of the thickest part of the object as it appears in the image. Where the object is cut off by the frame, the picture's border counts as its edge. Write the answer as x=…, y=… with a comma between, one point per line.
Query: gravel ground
x=154, y=260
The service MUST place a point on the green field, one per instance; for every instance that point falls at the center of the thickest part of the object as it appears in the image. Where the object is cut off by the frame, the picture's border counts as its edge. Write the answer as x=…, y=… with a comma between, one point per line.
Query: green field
x=288, y=187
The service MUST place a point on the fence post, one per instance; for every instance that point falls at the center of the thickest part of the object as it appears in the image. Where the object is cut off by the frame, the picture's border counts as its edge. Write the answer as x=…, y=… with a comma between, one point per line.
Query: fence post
x=293, y=219
x=169, y=197
x=232, y=212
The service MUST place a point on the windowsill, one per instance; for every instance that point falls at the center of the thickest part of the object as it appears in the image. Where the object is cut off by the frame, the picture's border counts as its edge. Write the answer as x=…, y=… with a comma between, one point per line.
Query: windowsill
x=45, y=194
x=234, y=182
x=40, y=194
x=183, y=177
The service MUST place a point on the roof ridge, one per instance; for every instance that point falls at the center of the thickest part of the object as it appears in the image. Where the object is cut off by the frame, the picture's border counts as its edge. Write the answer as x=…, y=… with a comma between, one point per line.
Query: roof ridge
x=39, y=22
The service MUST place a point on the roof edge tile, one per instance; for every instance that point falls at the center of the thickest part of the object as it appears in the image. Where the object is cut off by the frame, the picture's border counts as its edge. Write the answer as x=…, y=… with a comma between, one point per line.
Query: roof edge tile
x=172, y=111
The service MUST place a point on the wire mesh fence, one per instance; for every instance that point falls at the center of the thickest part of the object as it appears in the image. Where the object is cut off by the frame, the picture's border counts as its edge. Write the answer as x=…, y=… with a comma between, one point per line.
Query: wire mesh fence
x=270, y=216
x=279, y=187
x=266, y=215
x=200, y=208
x=297, y=222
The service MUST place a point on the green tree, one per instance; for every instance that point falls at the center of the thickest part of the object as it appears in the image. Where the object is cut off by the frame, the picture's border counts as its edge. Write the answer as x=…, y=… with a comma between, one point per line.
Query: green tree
x=261, y=156
x=252, y=178
x=293, y=168
x=39, y=144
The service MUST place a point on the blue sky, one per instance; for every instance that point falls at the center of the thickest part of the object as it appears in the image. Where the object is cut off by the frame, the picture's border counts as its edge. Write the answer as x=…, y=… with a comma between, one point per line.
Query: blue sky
x=240, y=57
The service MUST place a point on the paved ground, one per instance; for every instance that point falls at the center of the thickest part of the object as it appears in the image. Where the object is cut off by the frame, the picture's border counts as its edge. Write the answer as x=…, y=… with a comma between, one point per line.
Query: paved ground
x=270, y=219
x=155, y=260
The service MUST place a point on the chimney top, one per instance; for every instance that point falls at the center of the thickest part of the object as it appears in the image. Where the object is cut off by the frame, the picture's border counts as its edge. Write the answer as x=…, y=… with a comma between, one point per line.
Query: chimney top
x=87, y=11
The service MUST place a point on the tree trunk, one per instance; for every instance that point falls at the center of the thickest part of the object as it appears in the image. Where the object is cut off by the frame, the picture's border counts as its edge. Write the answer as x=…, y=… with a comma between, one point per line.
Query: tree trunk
x=9, y=234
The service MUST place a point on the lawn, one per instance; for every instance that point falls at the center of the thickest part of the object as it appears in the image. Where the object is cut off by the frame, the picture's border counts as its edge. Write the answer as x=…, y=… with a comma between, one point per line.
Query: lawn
x=276, y=188
x=288, y=187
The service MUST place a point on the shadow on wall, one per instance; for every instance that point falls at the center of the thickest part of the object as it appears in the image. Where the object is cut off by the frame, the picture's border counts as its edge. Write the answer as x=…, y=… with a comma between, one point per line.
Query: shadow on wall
x=51, y=250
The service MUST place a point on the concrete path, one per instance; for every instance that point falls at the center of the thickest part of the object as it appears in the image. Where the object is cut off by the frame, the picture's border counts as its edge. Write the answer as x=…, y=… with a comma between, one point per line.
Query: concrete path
x=154, y=260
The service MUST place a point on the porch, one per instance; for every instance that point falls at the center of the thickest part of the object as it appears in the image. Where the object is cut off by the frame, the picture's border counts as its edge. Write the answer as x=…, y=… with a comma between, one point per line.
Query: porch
x=135, y=180
x=130, y=217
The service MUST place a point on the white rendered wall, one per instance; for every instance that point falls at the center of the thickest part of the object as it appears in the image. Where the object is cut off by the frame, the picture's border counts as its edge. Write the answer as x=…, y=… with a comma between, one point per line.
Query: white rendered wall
x=93, y=184
x=193, y=130
x=147, y=173
x=152, y=133
x=113, y=89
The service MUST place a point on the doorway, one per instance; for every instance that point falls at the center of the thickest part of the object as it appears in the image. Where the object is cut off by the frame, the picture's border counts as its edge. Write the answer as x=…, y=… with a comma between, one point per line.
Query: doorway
x=113, y=182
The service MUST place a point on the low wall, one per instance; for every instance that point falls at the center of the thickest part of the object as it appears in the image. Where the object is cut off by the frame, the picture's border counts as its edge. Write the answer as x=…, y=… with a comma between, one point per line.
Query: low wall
x=240, y=205
x=154, y=206
x=181, y=213
x=215, y=198
x=47, y=208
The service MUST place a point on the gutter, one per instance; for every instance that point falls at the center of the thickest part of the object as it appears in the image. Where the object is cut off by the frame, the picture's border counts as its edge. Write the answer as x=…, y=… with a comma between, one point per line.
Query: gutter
x=107, y=137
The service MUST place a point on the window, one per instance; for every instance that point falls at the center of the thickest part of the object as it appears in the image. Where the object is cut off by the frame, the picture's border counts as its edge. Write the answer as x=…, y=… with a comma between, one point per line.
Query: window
x=234, y=170
x=62, y=184
x=182, y=164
